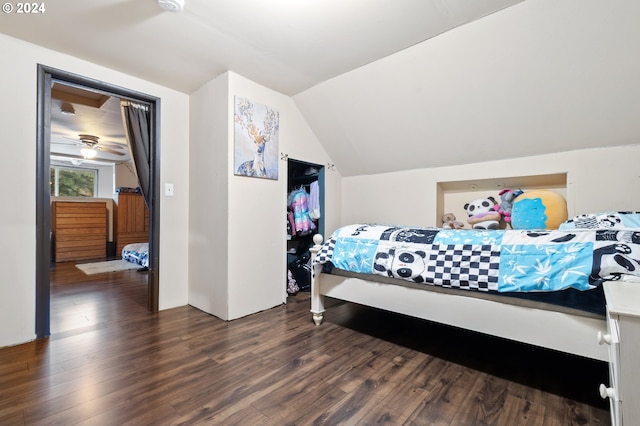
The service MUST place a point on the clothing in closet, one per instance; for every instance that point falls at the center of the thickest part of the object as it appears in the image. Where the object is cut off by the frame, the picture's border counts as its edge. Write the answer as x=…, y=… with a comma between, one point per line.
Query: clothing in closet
x=298, y=202
x=314, y=200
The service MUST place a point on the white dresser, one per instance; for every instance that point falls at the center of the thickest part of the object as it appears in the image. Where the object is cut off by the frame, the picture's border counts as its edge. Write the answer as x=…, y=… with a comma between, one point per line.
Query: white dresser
x=623, y=339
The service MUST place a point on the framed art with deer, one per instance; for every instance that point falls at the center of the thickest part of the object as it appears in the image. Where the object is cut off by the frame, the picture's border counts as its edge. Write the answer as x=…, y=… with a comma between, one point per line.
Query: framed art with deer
x=255, y=139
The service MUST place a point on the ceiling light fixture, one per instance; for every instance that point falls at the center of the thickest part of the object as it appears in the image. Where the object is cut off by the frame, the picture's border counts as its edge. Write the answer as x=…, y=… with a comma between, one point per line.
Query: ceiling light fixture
x=172, y=5
x=89, y=140
x=88, y=153
x=67, y=109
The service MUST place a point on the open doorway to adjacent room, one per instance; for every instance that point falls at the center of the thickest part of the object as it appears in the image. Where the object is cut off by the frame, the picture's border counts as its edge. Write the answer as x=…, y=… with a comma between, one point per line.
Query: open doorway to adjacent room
x=81, y=139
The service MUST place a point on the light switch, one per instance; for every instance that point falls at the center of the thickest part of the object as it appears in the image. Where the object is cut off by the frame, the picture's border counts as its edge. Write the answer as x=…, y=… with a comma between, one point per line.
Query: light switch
x=168, y=189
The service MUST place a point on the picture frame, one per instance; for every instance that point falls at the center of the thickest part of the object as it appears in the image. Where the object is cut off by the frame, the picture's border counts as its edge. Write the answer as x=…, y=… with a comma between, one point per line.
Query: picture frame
x=256, y=133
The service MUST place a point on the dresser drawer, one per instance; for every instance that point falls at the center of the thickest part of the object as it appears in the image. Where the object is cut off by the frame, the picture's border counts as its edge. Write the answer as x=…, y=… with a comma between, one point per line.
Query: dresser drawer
x=612, y=339
x=623, y=340
x=79, y=230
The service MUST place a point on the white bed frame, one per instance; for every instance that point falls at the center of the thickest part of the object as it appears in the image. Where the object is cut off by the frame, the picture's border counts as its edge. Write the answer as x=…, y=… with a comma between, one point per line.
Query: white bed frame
x=560, y=331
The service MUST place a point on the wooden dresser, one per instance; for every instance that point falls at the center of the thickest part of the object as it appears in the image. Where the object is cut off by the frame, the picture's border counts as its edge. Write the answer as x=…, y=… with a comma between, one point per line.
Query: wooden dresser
x=132, y=220
x=79, y=230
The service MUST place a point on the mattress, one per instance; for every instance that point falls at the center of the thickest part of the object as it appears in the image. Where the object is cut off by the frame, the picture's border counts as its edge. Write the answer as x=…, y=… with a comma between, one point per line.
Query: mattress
x=590, y=303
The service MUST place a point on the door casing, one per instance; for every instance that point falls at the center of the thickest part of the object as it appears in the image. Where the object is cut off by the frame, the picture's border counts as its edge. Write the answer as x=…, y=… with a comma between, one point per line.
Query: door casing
x=46, y=77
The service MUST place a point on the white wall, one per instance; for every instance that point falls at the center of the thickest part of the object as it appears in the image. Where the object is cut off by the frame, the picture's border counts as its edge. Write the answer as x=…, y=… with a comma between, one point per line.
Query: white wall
x=208, y=198
x=18, y=85
x=599, y=179
x=257, y=207
x=246, y=216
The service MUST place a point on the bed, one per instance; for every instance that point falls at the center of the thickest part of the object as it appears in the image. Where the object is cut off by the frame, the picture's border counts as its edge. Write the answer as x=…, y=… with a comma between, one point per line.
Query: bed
x=537, y=287
x=137, y=253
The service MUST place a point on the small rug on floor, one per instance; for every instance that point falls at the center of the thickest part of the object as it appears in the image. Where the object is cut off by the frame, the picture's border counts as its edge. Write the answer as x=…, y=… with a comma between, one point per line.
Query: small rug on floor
x=108, y=266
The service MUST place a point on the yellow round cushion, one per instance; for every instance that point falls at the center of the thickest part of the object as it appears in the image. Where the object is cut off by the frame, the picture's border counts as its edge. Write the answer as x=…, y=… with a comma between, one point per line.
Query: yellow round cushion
x=538, y=209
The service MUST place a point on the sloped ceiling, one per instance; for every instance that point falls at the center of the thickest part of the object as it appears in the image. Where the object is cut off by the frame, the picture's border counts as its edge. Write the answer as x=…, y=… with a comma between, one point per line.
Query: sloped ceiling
x=287, y=45
x=541, y=77
x=387, y=85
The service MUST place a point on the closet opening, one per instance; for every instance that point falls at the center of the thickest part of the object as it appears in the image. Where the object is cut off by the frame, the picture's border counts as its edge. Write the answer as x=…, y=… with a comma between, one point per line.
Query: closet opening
x=305, y=218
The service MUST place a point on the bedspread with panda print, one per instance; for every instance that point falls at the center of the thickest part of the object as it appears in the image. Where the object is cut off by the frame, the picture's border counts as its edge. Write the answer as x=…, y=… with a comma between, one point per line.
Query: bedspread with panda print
x=496, y=260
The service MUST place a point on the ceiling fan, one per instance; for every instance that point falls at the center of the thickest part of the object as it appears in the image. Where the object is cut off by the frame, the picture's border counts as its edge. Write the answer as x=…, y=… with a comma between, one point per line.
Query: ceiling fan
x=90, y=145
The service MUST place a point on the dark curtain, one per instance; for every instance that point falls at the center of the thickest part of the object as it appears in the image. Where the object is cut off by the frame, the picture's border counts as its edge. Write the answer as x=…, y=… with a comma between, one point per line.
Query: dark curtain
x=137, y=122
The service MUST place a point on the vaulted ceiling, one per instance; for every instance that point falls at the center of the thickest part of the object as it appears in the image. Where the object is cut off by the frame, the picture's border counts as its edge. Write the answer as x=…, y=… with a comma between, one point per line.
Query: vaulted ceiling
x=540, y=77
x=387, y=85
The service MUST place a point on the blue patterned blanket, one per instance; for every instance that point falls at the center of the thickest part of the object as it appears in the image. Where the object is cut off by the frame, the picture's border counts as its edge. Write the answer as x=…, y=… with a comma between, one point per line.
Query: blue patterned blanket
x=137, y=253
x=500, y=260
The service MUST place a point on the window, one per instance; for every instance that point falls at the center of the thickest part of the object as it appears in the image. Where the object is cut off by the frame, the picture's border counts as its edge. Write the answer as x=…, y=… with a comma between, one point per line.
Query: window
x=71, y=182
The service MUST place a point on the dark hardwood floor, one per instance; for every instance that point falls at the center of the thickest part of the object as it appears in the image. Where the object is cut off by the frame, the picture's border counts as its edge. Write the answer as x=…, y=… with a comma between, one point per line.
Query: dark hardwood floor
x=110, y=362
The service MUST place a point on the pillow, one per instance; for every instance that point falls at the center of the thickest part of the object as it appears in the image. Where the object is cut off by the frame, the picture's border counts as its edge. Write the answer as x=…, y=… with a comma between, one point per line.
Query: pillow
x=538, y=209
x=607, y=220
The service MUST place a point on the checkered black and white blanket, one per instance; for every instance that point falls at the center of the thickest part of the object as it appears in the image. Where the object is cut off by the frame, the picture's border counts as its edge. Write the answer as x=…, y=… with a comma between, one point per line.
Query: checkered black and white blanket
x=500, y=260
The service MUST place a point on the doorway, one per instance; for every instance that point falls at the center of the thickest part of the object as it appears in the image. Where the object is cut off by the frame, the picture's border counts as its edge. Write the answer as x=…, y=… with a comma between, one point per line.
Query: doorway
x=47, y=76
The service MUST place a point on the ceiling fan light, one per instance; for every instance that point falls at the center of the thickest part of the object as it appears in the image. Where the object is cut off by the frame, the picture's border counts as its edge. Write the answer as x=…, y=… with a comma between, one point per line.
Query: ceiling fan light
x=89, y=139
x=67, y=109
x=88, y=153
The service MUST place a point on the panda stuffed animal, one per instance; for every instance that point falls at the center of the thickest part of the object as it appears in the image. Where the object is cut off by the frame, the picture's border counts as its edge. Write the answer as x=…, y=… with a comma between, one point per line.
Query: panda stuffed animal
x=483, y=213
